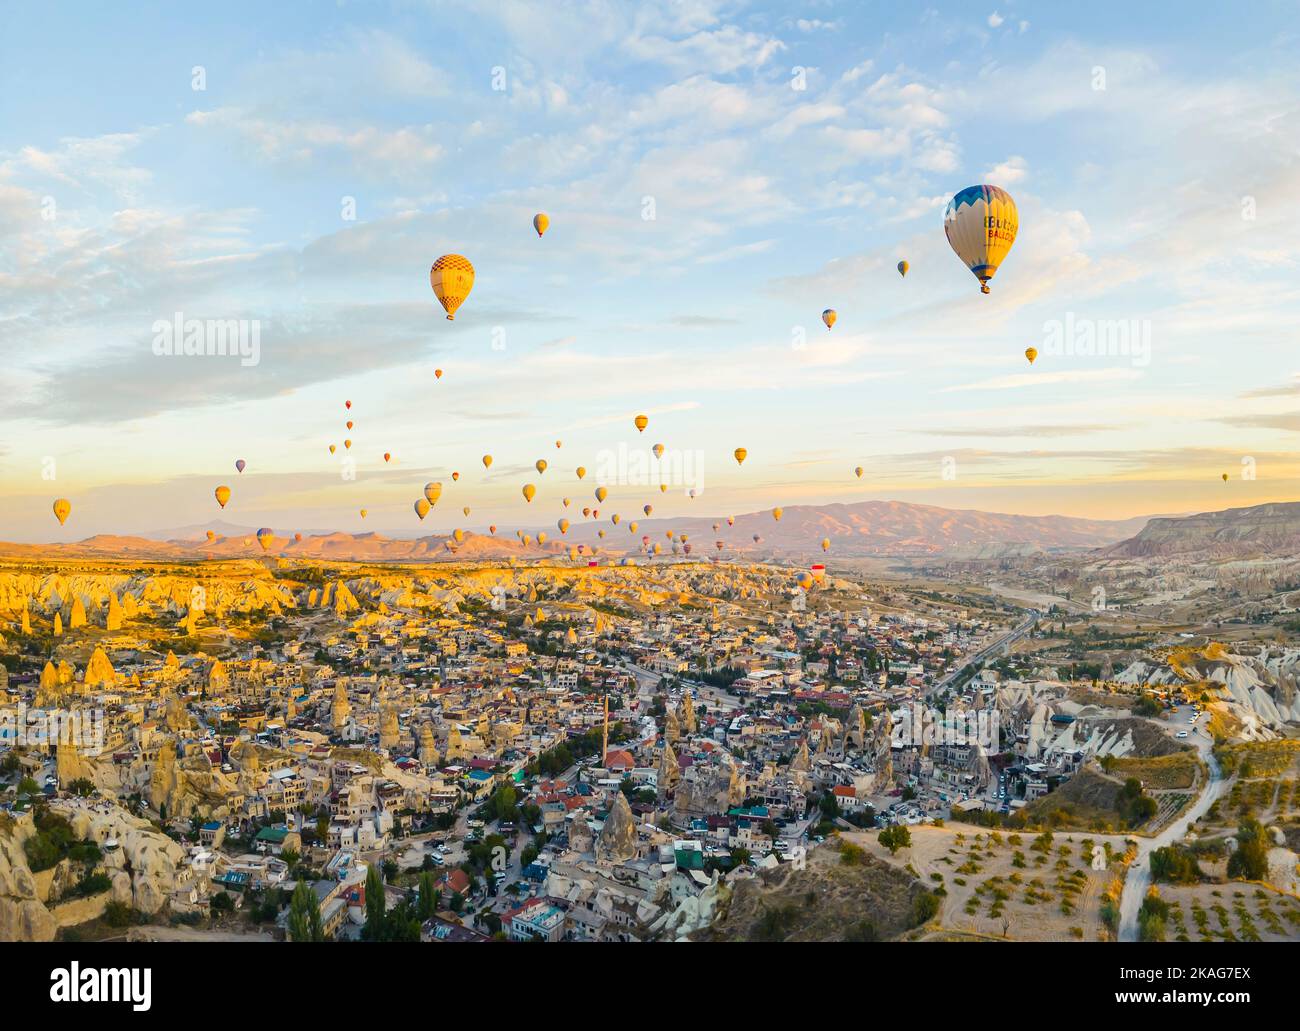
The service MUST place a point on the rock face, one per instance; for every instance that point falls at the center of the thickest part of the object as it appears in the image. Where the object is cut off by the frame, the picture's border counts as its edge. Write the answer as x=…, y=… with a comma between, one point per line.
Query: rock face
x=23, y=917
x=113, y=618
x=99, y=672
x=617, y=843
x=672, y=729
x=340, y=708
x=580, y=836
x=389, y=731
x=149, y=859
x=669, y=772
x=687, y=719
x=428, y=746
x=1238, y=532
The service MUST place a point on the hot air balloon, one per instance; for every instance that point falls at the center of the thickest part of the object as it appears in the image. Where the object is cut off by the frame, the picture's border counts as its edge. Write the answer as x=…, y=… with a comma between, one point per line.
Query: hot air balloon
x=387, y=456
x=363, y=513
x=541, y=538
x=239, y=464
x=540, y=222
x=465, y=511
x=212, y=535
x=452, y=278
x=804, y=580
x=332, y=449
x=686, y=548
x=663, y=487
x=222, y=495
x=658, y=449
x=586, y=511
x=647, y=509
x=559, y=444
x=602, y=493
x=981, y=224
x=691, y=493
x=437, y=373
x=422, y=508
x=631, y=527
x=347, y=444
x=777, y=513
x=265, y=538
x=829, y=316
x=615, y=518
x=298, y=537
x=455, y=477
x=903, y=267
x=487, y=461
x=492, y=529
x=640, y=422
x=858, y=472
x=731, y=520
x=757, y=538
x=347, y=404
x=540, y=465
x=432, y=492
x=529, y=492
x=719, y=544
x=716, y=527
x=645, y=539
x=565, y=502
x=1031, y=353
x=349, y=424
x=62, y=508
x=459, y=534
x=563, y=525
x=740, y=455
x=669, y=534
x=600, y=533
x=1225, y=480
x=658, y=548
x=826, y=544
x=595, y=513
x=581, y=471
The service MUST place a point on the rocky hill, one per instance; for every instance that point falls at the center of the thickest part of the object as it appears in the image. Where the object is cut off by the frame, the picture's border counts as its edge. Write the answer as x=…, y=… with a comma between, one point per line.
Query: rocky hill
x=1261, y=531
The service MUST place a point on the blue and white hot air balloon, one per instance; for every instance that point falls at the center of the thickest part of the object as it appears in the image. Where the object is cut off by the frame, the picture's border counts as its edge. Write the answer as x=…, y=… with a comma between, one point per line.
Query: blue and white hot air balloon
x=981, y=224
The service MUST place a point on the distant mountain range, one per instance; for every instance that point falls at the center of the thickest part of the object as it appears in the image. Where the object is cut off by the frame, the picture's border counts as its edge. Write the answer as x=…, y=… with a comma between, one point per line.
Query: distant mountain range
x=1271, y=531
x=864, y=529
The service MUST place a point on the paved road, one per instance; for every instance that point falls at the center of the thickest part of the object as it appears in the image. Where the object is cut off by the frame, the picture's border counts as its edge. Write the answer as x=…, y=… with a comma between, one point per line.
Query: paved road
x=1138, y=879
x=1005, y=641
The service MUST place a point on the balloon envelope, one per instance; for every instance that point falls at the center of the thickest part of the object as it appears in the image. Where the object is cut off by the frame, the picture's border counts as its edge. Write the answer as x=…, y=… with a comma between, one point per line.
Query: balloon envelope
x=981, y=223
x=452, y=278
x=222, y=495
x=541, y=222
x=62, y=508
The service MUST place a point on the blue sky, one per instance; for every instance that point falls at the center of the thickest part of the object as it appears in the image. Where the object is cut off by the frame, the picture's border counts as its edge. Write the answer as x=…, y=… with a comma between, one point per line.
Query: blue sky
x=1164, y=200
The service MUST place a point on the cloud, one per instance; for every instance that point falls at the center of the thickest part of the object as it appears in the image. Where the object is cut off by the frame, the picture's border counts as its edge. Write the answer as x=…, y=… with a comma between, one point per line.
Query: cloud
x=1041, y=430
x=1029, y=379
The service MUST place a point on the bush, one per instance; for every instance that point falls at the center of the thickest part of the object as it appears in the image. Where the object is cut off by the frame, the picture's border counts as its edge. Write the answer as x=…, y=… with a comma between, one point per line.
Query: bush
x=924, y=908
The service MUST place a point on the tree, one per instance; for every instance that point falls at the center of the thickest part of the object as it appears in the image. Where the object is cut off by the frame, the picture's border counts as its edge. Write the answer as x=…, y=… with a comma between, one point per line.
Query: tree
x=376, y=906
x=304, y=915
x=894, y=838
x=1250, y=860
x=428, y=897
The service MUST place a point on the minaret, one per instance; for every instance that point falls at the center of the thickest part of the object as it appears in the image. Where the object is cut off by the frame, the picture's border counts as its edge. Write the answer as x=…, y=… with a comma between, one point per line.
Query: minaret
x=604, y=738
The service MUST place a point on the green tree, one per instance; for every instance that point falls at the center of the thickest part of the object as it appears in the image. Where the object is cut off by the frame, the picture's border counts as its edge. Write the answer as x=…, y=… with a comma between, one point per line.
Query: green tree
x=376, y=906
x=428, y=897
x=304, y=915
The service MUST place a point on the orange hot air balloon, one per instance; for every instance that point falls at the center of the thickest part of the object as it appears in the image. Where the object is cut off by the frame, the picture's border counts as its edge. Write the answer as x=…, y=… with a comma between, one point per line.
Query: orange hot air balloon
x=647, y=509
x=332, y=449
x=777, y=513
x=563, y=525
x=602, y=493
x=581, y=471
x=529, y=492
x=740, y=455
x=829, y=317
x=349, y=424
x=1031, y=353
x=487, y=461
x=586, y=511
x=347, y=444
x=640, y=422
x=422, y=508
x=668, y=534
x=492, y=529
x=540, y=465
x=658, y=449
x=62, y=508
x=437, y=373
x=387, y=456
x=298, y=537
x=212, y=535
x=455, y=477
x=222, y=495
x=541, y=222
x=452, y=278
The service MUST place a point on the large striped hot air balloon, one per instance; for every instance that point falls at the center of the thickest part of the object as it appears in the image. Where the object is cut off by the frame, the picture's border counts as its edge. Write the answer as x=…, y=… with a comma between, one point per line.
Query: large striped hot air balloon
x=981, y=224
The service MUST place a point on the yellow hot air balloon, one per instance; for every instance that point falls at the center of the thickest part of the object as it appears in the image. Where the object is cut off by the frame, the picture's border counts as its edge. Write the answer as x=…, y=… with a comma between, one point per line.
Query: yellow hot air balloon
x=452, y=278
x=459, y=534
x=826, y=544
x=465, y=510
x=829, y=317
x=740, y=454
x=62, y=508
x=529, y=492
x=432, y=492
x=663, y=488
x=640, y=422
x=541, y=222
x=563, y=525
x=565, y=501
x=332, y=449
x=903, y=267
x=614, y=518
x=363, y=513
x=731, y=520
x=222, y=495
x=265, y=538
x=487, y=461
x=600, y=533
x=602, y=493
x=581, y=471
x=804, y=580
x=658, y=449
x=647, y=509
x=541, y=538
x=777, y=513
x=540, y=465
x=1225, y=480
x=981, y=223
x=858, y=472
x=1031, y=353
x=422, y=508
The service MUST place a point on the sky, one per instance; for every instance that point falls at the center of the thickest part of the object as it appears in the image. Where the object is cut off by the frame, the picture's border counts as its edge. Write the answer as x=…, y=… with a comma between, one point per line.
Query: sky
x=716, y=174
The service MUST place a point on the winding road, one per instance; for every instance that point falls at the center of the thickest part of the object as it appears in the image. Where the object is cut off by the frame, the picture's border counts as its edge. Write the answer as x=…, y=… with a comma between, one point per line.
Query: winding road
x=1138, y=878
